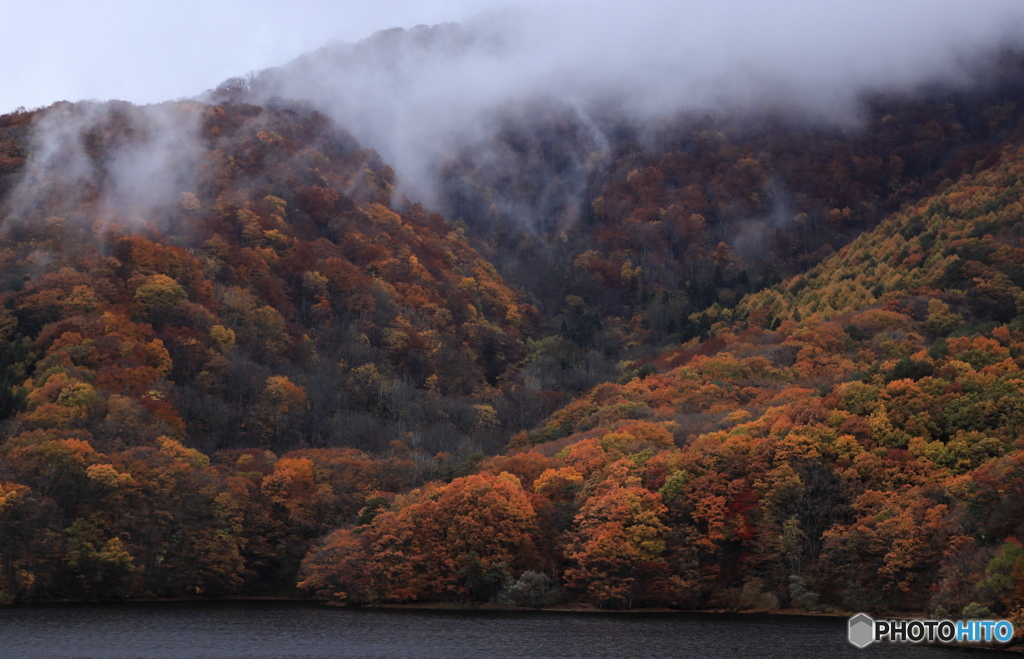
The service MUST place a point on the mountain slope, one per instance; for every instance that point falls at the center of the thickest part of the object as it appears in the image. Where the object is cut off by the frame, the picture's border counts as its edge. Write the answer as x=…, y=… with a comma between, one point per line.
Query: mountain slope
x=849, y=439
x=645, y=218
x=278, y=255
x=254, y=293
x=235, y=358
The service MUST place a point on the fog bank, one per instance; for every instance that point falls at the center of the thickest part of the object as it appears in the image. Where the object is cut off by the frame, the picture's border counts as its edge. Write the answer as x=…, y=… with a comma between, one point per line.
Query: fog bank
x=419, y=95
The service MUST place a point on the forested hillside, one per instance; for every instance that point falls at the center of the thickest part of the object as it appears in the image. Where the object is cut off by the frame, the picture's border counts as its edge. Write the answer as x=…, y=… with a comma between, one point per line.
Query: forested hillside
x=618, y=229
x=237, y=359
x=847, y=439
x=280, y=305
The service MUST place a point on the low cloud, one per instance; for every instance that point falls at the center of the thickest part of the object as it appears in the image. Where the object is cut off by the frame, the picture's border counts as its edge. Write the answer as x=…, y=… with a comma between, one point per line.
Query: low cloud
x=424, y=97
x=126, y=163
x=420, y=95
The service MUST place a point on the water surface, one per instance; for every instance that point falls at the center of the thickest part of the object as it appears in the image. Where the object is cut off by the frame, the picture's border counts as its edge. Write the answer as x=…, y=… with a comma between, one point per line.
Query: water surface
x=306, y=631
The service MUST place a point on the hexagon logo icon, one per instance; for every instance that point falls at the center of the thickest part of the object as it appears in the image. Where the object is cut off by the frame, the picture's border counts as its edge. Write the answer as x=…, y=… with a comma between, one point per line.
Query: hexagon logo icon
x=862, y=630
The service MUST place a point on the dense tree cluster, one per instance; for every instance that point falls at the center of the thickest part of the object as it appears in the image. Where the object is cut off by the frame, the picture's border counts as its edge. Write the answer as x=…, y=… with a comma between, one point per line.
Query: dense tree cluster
x=284, y=271
x=268, y=374
x=155, y=361
x=645, y=225
x=849, y=439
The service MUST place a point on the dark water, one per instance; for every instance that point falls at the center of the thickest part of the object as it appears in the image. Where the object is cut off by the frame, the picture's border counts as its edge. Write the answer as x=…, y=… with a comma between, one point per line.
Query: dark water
x=304, y=631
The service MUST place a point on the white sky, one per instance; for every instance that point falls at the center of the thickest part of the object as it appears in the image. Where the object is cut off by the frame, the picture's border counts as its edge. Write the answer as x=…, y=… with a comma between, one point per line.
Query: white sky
x=139, y=51
x=419, y=102
x=146, y=52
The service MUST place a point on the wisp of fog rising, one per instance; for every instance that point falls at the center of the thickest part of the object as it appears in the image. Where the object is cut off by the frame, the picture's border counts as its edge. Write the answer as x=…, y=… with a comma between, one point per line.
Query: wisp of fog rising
x=413, y=95
x=419, y=95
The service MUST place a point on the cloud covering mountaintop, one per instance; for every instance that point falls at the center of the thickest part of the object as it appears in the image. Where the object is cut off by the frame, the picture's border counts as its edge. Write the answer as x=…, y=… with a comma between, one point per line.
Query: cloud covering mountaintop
x=414, y=95
x=425, y=95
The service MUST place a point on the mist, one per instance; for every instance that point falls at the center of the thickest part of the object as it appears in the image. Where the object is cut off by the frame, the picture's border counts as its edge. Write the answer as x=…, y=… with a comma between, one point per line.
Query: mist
x=68, y=50
x=127, y=164
x=420, y=95
x=424, y=97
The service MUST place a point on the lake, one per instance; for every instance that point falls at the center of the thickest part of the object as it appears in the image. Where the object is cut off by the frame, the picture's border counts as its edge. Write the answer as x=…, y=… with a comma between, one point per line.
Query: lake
x=297, y=630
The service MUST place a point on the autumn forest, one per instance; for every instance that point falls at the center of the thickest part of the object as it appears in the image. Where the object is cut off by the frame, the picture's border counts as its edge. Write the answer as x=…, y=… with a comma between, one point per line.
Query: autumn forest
x=732, y=361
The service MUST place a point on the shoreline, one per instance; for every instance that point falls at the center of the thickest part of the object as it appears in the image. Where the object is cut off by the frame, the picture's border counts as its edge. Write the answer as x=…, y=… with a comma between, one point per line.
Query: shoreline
x=421, y=606
x=583, y=608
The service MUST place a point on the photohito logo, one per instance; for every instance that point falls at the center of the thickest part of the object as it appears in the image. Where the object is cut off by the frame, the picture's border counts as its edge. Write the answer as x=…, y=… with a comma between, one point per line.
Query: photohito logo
x=864, y=630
